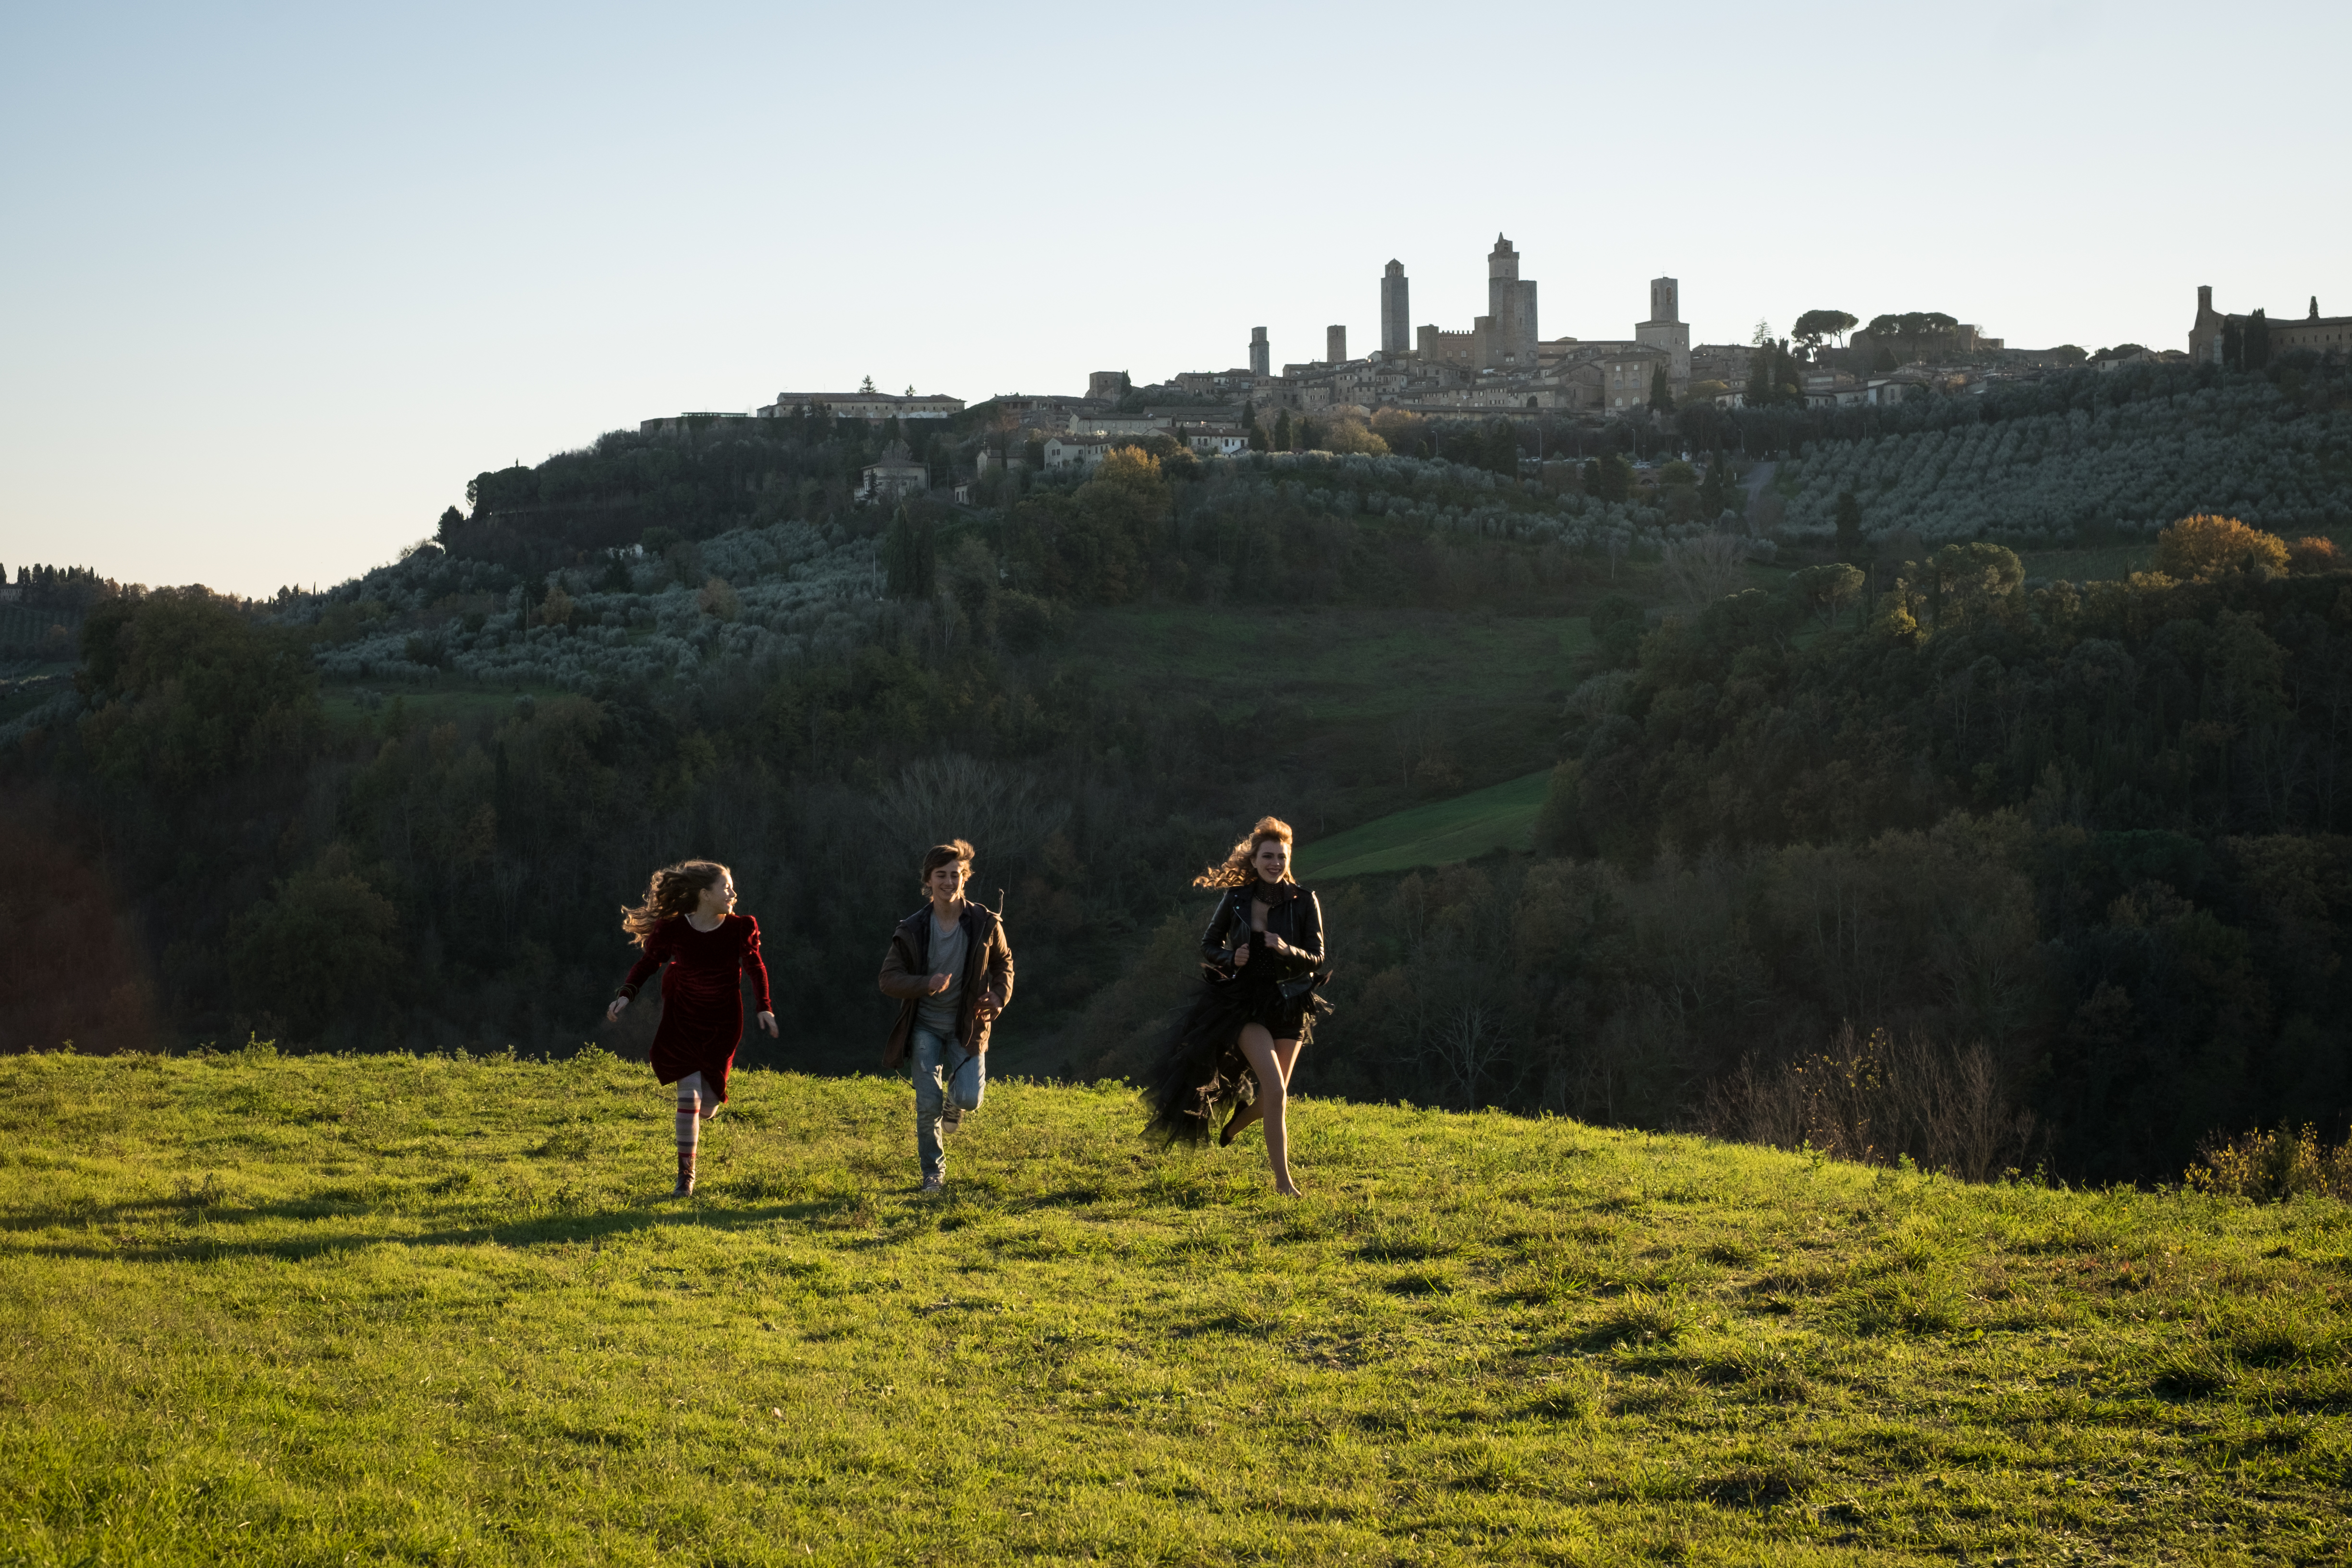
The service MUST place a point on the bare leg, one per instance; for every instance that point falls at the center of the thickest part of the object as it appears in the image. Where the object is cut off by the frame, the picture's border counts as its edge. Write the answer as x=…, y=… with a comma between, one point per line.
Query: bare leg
x=1267, y=1060
x=1286, y=1052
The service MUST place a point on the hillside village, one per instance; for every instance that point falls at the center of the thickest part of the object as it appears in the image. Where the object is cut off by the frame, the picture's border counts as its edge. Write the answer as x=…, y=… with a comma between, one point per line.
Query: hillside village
x=1499, y=366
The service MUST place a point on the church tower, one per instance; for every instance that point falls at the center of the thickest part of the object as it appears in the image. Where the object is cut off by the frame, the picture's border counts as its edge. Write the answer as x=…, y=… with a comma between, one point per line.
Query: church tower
x=1666, y=330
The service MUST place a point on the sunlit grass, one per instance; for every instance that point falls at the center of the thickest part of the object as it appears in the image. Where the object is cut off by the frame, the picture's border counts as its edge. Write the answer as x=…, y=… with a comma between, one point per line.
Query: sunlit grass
x=281, y=1311
x=1501, y=817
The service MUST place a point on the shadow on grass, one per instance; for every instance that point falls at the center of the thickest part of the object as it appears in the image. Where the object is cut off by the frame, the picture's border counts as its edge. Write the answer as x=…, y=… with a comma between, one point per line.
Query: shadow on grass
x=204, y=1242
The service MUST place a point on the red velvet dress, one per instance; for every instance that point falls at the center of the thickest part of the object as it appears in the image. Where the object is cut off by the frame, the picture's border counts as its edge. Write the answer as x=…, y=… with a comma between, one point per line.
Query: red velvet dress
x=702, y=994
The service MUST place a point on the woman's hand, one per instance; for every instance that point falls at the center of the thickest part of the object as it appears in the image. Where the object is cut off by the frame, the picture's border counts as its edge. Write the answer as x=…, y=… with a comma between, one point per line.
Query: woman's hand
x=1241, y=955
x=615, y=1010
x=768, y=1022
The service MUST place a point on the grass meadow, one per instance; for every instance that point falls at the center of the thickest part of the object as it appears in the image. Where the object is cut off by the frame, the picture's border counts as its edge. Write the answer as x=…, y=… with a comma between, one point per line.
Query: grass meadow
x=318, y=1310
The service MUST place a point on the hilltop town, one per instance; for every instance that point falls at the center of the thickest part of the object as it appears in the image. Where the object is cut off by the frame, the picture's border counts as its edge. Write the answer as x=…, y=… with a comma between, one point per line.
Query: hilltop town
x=1500, y=366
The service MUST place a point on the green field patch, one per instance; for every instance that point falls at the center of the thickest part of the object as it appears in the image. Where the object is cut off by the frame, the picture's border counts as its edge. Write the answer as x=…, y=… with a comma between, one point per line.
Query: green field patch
x=413, y=1335
x=1501, y=817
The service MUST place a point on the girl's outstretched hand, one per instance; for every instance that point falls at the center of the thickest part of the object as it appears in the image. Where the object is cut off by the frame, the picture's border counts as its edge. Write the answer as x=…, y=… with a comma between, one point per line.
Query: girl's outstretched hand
x=615, y=1010
x=768, y=1022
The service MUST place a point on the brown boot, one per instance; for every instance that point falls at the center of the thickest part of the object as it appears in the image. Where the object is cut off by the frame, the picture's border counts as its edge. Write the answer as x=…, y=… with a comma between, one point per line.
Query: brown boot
x=685, y=1187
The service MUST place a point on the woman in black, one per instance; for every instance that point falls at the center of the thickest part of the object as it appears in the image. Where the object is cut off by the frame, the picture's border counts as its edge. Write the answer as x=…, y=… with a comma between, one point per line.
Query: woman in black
x=1262, y=958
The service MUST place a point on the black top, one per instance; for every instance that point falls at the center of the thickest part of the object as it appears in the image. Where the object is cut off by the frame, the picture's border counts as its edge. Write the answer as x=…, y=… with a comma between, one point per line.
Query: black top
x=1292, y=914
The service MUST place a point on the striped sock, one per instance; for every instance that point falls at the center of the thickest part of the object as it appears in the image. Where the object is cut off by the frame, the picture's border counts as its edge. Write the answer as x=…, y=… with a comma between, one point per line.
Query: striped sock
x=690, y=1115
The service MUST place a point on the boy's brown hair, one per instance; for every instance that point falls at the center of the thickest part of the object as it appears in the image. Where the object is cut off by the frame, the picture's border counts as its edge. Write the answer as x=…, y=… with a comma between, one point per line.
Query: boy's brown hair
x=947, y=853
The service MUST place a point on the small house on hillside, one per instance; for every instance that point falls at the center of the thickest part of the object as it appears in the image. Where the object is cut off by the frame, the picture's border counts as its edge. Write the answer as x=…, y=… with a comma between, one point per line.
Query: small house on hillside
x=1076, y=451
x=894, y=474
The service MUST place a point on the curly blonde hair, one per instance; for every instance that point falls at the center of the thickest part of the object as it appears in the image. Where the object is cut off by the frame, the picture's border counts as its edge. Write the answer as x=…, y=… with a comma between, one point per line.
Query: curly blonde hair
x=1236, y=871
x=673, y=890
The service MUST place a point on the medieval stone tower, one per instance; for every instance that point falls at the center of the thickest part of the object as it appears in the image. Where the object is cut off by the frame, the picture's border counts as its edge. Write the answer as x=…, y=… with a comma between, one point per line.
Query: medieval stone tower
x=1261, y=353
x=1666, y=330
x=1396, y=312
x=1335, y=345
x=1511, y=309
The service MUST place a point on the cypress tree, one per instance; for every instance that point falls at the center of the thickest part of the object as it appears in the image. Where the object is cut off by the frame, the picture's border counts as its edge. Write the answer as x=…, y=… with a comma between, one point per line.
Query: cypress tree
x=1714, y=490
x=908, y=558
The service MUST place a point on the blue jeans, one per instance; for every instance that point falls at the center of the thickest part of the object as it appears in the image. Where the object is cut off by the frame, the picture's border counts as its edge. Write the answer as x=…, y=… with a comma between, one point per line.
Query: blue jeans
x=942, y=1067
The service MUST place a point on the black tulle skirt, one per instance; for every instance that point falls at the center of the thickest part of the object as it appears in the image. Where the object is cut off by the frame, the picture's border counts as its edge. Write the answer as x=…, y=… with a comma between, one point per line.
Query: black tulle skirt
x=1200, y=1072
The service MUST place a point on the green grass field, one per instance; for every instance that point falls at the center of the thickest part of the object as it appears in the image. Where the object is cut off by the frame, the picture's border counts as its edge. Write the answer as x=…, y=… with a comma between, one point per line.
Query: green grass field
x=321, y=1309
x=1502, y=816
x=1328, y=691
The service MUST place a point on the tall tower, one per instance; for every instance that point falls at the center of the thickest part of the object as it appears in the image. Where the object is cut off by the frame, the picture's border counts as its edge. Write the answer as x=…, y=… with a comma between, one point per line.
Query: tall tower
x=1335, y=345
x=1261, y=353
x=1510, y=310
x=1396, y=314
x=1666, y=330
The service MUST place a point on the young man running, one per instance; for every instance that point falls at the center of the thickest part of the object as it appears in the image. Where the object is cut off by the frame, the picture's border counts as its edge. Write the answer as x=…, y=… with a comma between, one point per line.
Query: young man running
x=951, y=971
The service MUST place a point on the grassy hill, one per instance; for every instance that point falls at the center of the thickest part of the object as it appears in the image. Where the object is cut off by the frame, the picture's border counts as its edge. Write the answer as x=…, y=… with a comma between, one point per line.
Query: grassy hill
x=1501, y=817
x=309, y=1309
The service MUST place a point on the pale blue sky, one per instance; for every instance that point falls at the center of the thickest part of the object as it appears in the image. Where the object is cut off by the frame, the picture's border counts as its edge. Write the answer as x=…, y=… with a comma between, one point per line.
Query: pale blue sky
x=276, y=281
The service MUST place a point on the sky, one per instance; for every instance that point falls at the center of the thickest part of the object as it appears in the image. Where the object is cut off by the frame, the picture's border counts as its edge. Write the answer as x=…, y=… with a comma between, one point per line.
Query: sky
x=276, y=281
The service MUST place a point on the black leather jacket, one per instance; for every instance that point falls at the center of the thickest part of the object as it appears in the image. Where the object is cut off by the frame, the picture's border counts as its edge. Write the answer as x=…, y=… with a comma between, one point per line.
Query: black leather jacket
x=1294, y=927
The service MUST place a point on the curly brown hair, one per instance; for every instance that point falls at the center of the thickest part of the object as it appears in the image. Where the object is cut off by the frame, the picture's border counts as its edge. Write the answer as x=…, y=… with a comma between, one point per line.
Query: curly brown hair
x=673, y=890
x=1237, y=872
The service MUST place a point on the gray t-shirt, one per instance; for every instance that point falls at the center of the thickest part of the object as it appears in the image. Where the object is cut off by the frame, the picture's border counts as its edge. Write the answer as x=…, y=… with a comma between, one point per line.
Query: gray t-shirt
x=937, y=1013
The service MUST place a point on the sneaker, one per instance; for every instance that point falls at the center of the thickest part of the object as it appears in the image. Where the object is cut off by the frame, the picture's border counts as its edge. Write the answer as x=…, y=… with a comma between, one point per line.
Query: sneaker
x=935, y=1183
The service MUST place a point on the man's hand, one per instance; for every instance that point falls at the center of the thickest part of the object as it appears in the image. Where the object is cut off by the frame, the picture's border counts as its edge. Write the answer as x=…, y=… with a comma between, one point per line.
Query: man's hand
x=988, y=1010
x=768, y=1022
x=941, y=982
x=615, y=1010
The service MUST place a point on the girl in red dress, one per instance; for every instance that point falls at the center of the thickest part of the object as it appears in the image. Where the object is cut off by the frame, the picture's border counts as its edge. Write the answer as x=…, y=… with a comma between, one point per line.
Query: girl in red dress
x=688, y=924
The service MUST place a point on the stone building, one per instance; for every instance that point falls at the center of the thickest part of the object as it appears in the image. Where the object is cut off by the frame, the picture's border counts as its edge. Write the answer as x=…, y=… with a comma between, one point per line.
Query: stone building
x=1504, y=338
x=2321, y=334
x=1727, y=363
x=1396, y=312
x=1501, y=363
x=1079, y=451
x=1464, y=349
x=894, y=474
x=1217, y=440
x=1510, y=310
x=1666, y=330
x=865, y=405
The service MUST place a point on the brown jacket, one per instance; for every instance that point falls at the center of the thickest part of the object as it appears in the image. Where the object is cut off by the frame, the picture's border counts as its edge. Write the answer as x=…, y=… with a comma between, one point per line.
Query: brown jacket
x=907, y=975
